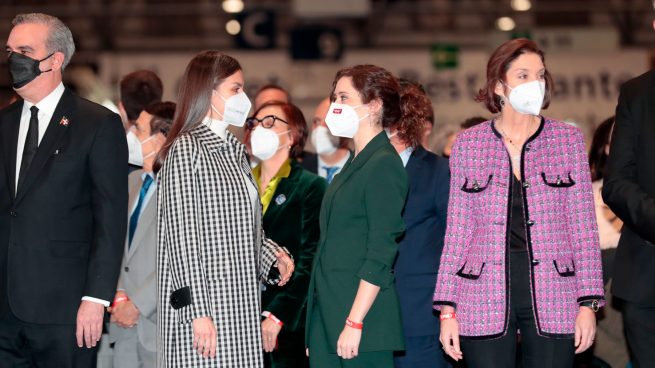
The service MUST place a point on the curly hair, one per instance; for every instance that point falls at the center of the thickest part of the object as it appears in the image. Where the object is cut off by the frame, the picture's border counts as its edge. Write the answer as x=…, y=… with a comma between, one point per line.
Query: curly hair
x=416, y=112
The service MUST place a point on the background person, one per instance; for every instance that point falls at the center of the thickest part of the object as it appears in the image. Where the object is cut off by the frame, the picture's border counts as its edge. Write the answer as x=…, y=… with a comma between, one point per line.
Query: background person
x=420, y=247
x=291, y=199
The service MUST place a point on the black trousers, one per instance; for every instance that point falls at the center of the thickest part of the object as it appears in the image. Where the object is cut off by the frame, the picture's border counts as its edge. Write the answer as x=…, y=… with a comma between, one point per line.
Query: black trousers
x=639, y=324
x=29, y=345
x=290, y=352
x=536, y=351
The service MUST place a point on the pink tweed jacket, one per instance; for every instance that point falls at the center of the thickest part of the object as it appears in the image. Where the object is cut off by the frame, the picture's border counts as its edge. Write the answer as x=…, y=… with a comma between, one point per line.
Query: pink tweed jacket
x=561, y=228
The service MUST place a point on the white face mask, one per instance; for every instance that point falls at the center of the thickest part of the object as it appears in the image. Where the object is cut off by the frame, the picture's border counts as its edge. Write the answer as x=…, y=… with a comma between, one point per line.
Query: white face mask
x=236, y=110
x=135, y=150
x=324, y=142
x=527, y=98
x=343, y=120
x=264, y=143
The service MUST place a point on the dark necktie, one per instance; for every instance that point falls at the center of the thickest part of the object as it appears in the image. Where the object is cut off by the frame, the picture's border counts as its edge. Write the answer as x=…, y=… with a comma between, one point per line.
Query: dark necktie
x=134, y=219
x=31, y=145
x=330, y=171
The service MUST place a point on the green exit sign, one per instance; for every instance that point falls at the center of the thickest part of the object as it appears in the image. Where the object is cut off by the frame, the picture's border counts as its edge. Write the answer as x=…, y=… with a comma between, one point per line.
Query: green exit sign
x=445, y=56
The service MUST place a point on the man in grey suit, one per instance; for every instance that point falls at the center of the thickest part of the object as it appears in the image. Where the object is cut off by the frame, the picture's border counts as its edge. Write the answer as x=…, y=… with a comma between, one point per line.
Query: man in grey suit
x=134, y=311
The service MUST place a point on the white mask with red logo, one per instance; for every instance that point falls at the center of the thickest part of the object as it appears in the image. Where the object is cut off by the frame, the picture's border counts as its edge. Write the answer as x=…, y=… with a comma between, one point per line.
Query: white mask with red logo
x=342, y=120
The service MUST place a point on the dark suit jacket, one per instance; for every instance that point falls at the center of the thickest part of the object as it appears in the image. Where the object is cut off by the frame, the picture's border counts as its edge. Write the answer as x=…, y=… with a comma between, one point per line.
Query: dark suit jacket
x=309, y=162
x=629, y=190
x=62, y=235
x=292, y=221
x=420, y=249
x=360, y=222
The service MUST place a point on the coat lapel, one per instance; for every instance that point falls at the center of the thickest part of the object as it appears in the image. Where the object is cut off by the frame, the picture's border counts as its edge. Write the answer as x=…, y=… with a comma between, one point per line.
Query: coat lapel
x=283, y=191
x=58, y=125
x=10, y=143
x=146, y=219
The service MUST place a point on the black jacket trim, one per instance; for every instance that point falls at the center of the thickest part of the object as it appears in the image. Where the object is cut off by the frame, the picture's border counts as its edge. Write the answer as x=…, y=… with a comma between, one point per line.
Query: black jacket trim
x=590, y=297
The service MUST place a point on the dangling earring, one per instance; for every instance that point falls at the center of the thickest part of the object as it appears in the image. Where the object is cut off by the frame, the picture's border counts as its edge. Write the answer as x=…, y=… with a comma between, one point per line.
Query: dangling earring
x=501, y=102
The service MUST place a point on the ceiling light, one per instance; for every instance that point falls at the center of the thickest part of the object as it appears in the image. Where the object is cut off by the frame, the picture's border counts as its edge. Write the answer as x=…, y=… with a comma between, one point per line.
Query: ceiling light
x=505, y=24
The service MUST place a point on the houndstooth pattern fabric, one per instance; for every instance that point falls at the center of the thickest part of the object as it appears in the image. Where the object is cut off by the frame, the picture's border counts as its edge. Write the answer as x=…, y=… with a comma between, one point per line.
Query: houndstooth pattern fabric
x=210, y=240
x=561, y=230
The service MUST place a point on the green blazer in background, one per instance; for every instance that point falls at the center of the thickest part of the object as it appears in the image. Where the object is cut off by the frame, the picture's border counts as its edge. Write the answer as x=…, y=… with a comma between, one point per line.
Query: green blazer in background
x=360, y=222
x=292, y=220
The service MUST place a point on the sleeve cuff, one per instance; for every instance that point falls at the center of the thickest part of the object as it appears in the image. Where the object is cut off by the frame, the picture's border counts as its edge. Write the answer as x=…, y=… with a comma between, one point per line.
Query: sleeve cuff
x=96, y=300
x=376, y=273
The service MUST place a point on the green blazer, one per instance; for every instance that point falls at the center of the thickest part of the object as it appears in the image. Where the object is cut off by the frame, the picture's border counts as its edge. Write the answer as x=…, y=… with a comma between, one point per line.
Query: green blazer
x=292, y=220
x=360, y=222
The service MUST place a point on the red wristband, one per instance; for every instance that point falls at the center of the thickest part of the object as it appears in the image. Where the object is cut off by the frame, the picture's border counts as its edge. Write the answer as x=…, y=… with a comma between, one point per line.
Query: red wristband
x=270, y=316
x=119, y=300
x=354, y=325
x=447, y=316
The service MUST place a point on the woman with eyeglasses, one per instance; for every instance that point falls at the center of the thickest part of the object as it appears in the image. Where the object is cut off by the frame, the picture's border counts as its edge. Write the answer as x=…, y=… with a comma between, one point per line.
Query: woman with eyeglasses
x=291, y=197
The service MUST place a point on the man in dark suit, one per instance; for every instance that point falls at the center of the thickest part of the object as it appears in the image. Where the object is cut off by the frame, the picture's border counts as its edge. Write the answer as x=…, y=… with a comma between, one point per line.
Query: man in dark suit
x=419, y=250
x=629, y=191
x=63, y=200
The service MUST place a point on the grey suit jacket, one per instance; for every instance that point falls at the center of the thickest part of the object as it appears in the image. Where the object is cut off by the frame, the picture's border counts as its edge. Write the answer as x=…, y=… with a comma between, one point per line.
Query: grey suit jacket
x=139, y=269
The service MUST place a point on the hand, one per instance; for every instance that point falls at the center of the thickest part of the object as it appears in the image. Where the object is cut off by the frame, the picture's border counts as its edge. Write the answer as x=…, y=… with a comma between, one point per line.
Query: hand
x=585, y=329
x=285, y=266
x=125, y=314
x=89, y=323
x=270, y=330
x=204, y=336
x=449, y=335
x=348, y=343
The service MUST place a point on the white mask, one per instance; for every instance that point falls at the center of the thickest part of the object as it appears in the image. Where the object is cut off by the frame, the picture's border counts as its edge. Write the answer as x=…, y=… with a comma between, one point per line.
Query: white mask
x=527, y=98
x=343, y=120
x=264, y=143
x=324, y=142
x=135, y=151
x=236, y=110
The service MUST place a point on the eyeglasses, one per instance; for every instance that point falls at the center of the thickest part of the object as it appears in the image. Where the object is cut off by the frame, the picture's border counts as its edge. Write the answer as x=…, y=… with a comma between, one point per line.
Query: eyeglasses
x=267, y=121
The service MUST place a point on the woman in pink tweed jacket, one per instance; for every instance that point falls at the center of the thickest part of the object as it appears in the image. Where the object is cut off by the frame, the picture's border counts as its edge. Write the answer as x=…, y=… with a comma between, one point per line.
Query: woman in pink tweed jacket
x=520, y=192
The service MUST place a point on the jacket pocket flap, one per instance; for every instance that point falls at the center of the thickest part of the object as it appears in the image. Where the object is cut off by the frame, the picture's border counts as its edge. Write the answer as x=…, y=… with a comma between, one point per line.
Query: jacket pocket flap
x=471, y=270
x=181, y=298
x=558, y=181
x=476, y=186
x=564, y=266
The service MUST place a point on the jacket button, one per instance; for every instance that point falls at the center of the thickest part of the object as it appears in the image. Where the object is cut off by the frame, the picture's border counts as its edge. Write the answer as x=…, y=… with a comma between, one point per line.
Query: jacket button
x=127, y=269
x=12, y=213
x=535, y=262
x=530, y=222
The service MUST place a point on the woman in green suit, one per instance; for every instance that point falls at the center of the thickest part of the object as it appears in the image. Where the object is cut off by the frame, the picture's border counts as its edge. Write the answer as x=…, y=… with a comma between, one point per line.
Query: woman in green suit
x=353, y=312
x=291, y=199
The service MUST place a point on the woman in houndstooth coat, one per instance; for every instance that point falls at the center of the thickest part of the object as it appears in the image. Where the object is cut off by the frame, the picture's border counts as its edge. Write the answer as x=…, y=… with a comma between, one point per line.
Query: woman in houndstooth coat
x=212, y=253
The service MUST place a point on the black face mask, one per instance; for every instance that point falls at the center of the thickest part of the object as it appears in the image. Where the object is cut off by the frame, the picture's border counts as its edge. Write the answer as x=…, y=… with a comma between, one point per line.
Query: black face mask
x=23, y=69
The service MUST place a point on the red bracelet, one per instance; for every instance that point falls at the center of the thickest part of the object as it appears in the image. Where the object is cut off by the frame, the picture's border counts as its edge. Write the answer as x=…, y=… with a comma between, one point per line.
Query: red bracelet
x=270, y=316
x=119, y=300
x=354, y=325
x=447, y=316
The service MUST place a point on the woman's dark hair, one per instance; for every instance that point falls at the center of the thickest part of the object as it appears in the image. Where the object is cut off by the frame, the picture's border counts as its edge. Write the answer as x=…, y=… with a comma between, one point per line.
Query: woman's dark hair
x=499, y=64
x=373, y=82
x=597, y=155
x=471, y=122
x=204, y=73
x=162, y=117
x=138, y=90
x=416, y=109
x=297, y=125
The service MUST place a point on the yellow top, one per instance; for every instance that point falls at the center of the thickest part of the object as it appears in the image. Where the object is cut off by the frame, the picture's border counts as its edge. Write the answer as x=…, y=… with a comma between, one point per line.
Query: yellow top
x=267, y=195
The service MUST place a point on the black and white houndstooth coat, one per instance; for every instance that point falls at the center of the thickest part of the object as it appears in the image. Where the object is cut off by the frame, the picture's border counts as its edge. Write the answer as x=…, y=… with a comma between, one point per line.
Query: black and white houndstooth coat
x=212, y=253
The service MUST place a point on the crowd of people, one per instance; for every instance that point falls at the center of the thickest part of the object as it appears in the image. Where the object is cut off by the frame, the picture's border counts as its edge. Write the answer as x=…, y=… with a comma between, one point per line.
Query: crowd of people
x=191, y=248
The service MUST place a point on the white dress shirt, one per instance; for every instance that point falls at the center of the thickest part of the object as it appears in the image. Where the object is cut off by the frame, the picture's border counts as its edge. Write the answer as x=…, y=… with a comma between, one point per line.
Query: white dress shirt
x=152, y=189
x=406, y=154
x=339, y=165
x=46, y=108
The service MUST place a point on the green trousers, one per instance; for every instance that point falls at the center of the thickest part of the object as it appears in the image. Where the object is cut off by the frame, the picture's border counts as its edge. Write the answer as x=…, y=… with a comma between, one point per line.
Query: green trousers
x=320, y=356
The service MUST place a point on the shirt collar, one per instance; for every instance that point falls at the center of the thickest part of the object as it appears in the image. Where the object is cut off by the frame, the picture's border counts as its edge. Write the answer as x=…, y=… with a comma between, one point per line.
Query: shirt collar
x=341, y=162
x=143, y=177
x=283, y=172
x=406, y=154
x=48, y=104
